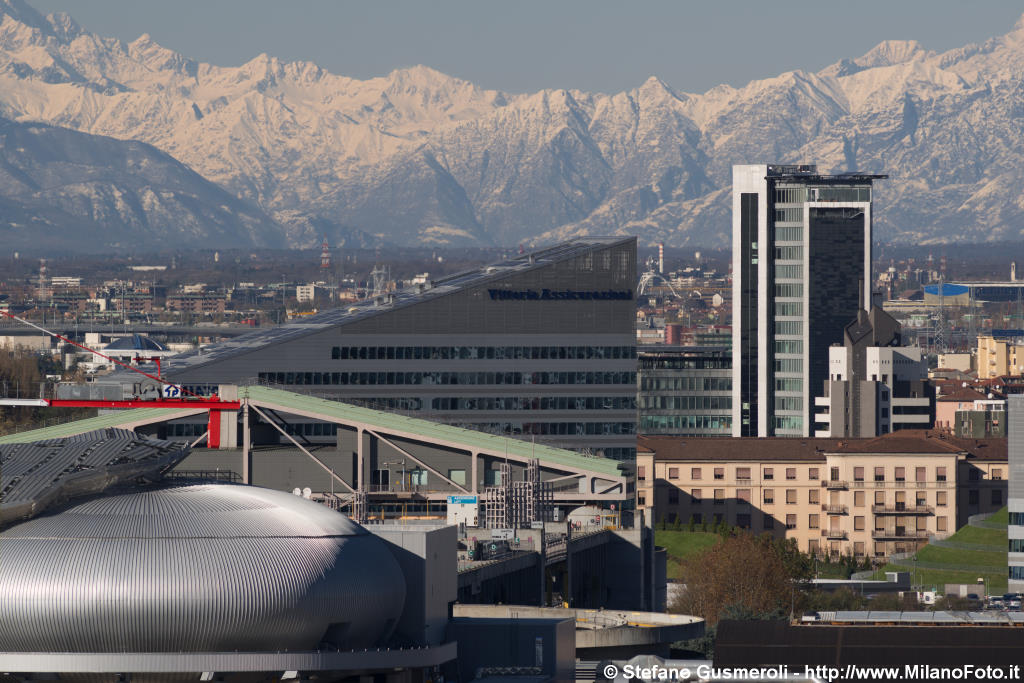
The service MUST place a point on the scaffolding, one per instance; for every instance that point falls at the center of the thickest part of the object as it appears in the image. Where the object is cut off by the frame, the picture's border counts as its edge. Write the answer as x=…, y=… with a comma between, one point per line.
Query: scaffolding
x=517, y=504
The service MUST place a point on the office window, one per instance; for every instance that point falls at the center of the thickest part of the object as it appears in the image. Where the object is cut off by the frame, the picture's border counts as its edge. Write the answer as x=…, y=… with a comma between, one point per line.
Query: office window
x=858, y=523
x=743, y=495
x=858, y=548
x=940, y=474
x=812, y=521
x=790, y=521
x=791, y=496
x=719, y=473
x=641, y=473
x=743, y=473
x=790, y=473
x=673, y=472
x=922, y=524
x=858, y=499
x=921, y=499
x=743, y=520
x=813, y=496
x=879, y=549
x=997, y=497
x=879, y=497
x=458, y=476
x=997, y=473
x=940, y=524
x=696, y=495
x=812, y=474
x=940, y=498
x=769, y=496
x=719, y=496
x=919, y=474
x=695, y=473
x=879, y=524
x=972, y=497
x=858, y=474
x=879, y=474
x=673, y=496
x=834, y=474
x=901, y=473
x=768, y=522
x=769, y=473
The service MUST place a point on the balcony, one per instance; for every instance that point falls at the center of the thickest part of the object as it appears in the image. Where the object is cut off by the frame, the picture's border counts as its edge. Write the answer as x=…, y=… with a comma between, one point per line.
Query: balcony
x=834, y=509
x=834, y=534
x=902, y=509
x=899, y=535
x=835, y=485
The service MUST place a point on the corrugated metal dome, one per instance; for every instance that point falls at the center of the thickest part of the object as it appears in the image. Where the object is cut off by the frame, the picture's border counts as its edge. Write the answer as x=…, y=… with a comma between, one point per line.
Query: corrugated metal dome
x=208, y=568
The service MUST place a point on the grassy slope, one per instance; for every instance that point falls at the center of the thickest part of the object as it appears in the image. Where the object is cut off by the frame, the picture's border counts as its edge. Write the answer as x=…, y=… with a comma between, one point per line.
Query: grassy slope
x=989, y=557
x=681, y=545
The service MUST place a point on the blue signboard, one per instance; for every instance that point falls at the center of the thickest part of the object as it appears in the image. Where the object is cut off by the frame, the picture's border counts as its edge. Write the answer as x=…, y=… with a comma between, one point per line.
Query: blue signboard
x=462, y=500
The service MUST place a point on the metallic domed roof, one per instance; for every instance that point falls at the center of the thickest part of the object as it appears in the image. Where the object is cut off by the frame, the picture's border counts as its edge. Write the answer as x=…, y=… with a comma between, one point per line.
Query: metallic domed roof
x=209, y=568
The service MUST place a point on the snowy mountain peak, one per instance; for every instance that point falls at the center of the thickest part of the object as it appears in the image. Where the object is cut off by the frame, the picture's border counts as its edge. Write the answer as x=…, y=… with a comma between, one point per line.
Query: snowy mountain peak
x=891, y=52
x=64, y=27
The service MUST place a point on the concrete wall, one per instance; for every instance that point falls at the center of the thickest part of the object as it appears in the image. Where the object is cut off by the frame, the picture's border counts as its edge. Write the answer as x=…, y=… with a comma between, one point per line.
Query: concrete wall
x=547, y=643
x=427, y=557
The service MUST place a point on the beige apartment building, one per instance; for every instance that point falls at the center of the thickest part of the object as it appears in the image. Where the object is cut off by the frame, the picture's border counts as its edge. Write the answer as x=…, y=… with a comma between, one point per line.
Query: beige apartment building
x=869, y=497
x=998, y=357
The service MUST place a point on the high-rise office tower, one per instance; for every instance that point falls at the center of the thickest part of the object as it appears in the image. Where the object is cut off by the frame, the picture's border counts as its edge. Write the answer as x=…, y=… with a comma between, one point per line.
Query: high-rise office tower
x=801, y=269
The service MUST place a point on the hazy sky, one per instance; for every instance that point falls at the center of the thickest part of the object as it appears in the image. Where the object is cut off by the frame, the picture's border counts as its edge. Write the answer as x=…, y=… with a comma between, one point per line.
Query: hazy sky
x=525, y=45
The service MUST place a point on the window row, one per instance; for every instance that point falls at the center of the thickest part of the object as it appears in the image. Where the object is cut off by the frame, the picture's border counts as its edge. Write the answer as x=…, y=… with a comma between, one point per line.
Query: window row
x=789, y=290
x=794, y=346
x=789, y=253
x=899, y=473
x=686, y=363
x=793, y=215
x=685, y=383
x=555, y=428
x=481, y=352
x=794, y=272
x=789, y=364
x=789, y=233
x=685, y=403
x=768, y=474
x=534, y=403
x=441, y=378
x=651, y=423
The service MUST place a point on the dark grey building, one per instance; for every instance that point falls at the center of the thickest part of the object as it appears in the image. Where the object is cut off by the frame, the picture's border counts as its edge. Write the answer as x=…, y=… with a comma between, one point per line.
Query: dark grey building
x=539, y=347
x=684, y=390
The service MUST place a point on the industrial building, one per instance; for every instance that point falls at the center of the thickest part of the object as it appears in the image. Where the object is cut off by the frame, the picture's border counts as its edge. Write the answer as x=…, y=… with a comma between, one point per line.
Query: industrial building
x=866, y=497
x=540, y=347
x=801, y=270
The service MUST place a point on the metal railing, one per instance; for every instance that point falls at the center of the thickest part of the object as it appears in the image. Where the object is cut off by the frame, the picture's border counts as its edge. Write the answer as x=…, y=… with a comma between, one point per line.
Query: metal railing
x=834, y=509
x=899, y=535
x=902, y=509
x=834, y=534
x=835, y=484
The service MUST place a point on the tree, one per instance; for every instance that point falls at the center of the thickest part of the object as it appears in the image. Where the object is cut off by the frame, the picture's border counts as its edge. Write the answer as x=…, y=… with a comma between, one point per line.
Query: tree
x=742, y=574
x=692, y=525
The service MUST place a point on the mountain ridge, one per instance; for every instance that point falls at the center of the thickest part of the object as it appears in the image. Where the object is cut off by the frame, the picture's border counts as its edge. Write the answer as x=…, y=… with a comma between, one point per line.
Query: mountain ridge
x=418, y=156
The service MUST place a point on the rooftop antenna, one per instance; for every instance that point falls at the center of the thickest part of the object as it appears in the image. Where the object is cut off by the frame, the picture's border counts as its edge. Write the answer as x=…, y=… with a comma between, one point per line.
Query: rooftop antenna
x=940, y=323
x=380, y=279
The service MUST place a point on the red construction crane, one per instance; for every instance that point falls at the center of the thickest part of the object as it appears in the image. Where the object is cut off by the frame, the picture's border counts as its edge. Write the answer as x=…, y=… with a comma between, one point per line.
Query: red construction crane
x=188, y=399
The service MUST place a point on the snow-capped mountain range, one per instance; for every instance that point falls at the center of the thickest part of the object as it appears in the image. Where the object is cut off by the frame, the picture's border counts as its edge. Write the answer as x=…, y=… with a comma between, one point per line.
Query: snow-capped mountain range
x=420, y=157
